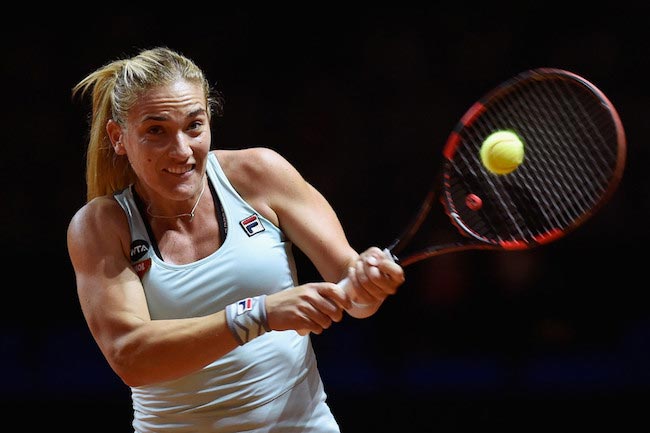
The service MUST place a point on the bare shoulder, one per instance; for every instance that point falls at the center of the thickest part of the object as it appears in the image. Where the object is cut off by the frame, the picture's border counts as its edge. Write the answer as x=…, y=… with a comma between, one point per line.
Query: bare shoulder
x=253, y=161
x=98, y=221
x=246, y=168
x=104, y=210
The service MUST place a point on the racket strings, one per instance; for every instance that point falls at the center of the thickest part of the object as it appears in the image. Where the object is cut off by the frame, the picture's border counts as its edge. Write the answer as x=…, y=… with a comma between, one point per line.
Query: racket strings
x=570, y=160
x=546, y=199
x=577, y=149
x=576, y=144
x=520, y=213
x=559, y=170
x=511, y=216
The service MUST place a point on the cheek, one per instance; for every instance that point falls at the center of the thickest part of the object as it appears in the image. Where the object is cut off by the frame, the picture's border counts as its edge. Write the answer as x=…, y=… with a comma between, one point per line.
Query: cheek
x=142, y=156
x=206, y=139
x=140, y=162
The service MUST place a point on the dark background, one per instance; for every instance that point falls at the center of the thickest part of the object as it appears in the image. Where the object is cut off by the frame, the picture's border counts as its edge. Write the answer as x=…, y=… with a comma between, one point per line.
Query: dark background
x=361, y=101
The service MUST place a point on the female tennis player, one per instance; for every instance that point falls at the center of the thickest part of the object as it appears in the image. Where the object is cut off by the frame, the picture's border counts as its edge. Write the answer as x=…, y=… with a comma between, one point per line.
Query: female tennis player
x=184, y=266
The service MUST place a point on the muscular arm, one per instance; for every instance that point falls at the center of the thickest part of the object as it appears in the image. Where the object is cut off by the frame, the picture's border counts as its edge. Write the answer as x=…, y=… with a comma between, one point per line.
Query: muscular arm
x=139, y=350
x=279, y=191
x=144, y=351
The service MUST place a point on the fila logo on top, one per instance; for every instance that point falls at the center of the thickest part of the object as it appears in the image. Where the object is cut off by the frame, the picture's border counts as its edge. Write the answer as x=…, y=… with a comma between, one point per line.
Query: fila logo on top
x=252, y=225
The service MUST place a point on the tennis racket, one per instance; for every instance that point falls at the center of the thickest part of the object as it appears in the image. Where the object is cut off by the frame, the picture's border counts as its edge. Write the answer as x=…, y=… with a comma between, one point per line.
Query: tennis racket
x=575, y=151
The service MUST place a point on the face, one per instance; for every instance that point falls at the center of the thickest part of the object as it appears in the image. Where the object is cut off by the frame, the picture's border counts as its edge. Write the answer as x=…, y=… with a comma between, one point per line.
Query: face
x=166, y=139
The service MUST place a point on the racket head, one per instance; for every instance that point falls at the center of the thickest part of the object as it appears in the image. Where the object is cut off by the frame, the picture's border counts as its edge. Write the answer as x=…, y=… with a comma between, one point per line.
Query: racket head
x=575, y=150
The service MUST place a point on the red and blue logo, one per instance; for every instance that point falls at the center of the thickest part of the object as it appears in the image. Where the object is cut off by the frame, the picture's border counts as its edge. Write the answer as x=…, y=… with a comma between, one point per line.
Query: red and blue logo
x=244, y=305
x=252, y=225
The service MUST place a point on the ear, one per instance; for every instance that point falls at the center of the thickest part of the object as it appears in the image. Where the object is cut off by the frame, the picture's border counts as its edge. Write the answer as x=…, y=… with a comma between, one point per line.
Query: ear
x=114, y=131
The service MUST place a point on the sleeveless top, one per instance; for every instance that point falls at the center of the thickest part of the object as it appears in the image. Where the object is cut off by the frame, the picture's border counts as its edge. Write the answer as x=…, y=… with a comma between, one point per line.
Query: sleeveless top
x=255, y=258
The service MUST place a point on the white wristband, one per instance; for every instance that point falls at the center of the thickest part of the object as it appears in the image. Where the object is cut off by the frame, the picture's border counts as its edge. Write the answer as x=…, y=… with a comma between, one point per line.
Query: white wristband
x=247, y=319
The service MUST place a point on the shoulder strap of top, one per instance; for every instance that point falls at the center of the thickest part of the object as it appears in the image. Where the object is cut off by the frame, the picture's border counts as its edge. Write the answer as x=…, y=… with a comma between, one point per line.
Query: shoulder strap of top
x=140, y=240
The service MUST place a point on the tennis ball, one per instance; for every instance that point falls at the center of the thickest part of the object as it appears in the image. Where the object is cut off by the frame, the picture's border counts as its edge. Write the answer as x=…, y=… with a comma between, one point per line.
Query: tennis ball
x=502, y=152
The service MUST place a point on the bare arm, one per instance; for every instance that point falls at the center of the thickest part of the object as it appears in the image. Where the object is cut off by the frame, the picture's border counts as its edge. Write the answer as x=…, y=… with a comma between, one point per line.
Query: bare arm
x=309, y=221
x=139, y=350
x=144, y=351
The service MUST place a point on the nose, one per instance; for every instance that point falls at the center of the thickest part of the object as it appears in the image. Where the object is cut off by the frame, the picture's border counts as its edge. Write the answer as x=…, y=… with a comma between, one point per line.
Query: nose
x=181, y=147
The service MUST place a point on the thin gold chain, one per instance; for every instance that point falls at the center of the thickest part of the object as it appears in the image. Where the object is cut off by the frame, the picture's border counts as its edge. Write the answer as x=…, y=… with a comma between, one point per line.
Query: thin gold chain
x=190, y=214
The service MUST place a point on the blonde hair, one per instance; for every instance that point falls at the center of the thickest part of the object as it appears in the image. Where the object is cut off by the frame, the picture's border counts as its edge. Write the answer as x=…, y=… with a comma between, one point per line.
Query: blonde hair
x=115, y=88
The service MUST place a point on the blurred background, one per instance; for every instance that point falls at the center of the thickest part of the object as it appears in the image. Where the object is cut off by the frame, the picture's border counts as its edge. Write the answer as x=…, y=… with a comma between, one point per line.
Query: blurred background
x=361, y=100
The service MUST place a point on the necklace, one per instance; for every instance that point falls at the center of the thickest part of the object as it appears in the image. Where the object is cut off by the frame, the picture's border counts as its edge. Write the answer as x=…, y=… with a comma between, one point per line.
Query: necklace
x=190, y=214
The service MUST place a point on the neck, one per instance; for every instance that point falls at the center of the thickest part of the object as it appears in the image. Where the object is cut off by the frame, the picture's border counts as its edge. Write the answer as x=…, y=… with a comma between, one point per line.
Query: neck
x=189, y=214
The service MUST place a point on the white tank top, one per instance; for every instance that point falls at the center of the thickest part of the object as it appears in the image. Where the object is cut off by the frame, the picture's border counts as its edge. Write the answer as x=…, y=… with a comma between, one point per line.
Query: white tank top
x=255, y=258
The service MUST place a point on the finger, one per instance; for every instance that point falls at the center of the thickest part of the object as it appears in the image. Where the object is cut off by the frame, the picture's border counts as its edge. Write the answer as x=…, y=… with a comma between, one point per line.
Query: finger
x=382, y=272
x=388, y=268
x=334, y=293
x=366, y=286
x=313, y=321
x=321, y=321
x=325, y=304
x=359, y=279
x=387, y=276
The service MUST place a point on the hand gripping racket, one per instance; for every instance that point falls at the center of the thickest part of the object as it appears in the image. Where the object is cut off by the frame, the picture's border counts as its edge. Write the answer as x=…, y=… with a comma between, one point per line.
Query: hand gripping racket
x=574, y=159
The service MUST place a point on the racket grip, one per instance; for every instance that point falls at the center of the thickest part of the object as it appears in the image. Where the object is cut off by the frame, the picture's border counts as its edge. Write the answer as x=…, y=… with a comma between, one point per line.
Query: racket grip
x=347, y=287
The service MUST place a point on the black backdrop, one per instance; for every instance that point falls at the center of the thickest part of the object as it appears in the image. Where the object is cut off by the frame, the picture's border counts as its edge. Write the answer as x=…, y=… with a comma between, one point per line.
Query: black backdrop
x=361, y=101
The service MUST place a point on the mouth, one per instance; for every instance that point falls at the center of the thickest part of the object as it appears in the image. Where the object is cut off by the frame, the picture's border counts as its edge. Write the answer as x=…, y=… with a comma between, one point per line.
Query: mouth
x=182, y=169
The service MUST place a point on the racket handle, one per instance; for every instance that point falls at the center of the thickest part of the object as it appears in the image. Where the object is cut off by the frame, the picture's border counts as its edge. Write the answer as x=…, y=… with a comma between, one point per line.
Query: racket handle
x=347, y=287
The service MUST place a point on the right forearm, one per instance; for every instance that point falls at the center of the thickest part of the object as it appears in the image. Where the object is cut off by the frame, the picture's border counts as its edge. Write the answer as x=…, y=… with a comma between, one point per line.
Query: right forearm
x=160, y=350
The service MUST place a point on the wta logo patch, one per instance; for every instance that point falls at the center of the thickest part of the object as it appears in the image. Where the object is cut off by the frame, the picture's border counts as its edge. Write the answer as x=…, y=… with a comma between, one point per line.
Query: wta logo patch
x=139, y=249
x=251, y=225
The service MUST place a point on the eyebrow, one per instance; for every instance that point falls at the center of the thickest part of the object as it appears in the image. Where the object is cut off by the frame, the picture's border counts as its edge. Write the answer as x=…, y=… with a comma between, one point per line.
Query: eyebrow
x=193, y=113
x=197, y=112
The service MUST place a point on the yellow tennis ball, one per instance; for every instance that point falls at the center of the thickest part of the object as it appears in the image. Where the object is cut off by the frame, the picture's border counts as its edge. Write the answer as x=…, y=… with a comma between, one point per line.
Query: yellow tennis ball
x=502, y=152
